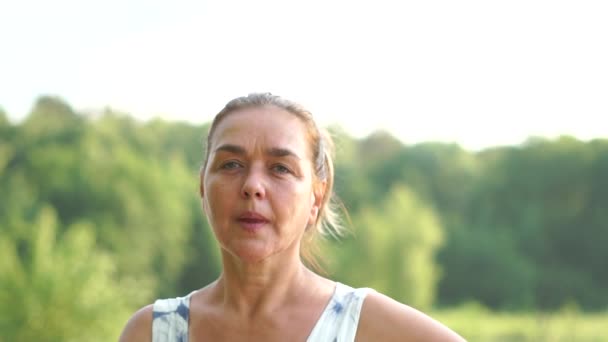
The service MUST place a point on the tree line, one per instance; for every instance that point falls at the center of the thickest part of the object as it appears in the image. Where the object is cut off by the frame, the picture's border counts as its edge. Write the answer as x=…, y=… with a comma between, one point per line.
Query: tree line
x=99, y=215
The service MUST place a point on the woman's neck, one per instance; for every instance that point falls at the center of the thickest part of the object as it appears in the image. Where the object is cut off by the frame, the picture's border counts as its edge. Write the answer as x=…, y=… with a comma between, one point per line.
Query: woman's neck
x=251, y=289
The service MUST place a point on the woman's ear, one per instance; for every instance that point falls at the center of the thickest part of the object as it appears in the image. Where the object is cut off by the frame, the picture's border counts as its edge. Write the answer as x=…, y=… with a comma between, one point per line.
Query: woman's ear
x=319, y=192
x=318, y=195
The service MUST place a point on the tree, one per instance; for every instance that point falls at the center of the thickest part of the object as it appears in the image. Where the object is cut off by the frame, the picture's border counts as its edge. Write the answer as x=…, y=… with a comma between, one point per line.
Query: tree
x=484, y=265
x=59, y=287
x=394, y=249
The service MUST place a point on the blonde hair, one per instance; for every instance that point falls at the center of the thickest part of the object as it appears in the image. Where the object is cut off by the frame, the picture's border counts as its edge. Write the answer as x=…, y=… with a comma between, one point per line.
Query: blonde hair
x=328, y=222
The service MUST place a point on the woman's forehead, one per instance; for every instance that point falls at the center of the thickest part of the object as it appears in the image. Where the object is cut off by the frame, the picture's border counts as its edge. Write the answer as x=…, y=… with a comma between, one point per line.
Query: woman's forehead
x=269, y=126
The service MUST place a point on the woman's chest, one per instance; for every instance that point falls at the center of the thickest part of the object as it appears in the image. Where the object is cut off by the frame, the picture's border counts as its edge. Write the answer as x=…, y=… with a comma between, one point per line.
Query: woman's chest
x=281, y=326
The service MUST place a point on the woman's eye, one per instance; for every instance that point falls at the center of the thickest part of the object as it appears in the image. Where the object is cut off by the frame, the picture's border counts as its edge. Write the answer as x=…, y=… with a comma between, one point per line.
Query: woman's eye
x=281, y=169
x=230, y=165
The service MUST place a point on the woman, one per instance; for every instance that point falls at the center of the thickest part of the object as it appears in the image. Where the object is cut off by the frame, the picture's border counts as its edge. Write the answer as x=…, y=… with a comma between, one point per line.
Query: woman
x=266, y=188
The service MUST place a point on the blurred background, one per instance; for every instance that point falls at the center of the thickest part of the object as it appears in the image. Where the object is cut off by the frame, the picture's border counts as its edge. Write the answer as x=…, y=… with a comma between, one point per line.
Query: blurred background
x=472, y=154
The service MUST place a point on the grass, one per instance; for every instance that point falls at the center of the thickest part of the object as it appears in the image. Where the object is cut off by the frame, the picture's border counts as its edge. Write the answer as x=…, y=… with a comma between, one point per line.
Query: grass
x=477, y=324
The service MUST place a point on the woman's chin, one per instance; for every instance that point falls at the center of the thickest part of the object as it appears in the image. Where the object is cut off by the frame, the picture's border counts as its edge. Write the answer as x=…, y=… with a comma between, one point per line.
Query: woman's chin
x=250, y=253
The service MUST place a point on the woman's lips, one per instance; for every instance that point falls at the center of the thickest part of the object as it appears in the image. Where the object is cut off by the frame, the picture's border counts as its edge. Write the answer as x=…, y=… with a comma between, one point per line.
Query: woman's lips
x=252, y=221
x=252, y=224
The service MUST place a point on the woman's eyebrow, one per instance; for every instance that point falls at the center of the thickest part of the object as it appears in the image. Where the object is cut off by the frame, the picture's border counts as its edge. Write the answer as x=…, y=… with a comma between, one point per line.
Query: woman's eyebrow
x=273, y=151
x=282, y=152
x=231, y=148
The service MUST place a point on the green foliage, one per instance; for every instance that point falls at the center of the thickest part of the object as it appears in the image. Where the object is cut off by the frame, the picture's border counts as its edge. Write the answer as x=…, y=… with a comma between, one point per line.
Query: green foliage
x=99, y=215
x=394, y=249
x=3, y=118
x=478, y=324
x=503, y=278
x=113, y=187
x=549, y=197
x=59, y=287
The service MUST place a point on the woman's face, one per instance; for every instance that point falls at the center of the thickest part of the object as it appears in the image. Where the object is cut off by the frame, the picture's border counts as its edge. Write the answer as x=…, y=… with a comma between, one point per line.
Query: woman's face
x=257, y=188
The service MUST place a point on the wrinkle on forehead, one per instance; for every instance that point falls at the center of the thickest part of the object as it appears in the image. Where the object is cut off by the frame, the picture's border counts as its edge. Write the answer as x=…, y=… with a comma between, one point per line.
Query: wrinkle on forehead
x=266, y=128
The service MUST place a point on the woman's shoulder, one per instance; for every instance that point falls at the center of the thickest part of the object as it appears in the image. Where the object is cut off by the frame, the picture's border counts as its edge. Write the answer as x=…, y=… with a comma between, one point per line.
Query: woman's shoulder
x=164, y=314
x=139, y=326
x=385, y=319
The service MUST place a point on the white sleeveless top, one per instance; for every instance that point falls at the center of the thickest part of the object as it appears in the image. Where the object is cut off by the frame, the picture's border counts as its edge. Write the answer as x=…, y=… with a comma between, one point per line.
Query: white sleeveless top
x=338, y=322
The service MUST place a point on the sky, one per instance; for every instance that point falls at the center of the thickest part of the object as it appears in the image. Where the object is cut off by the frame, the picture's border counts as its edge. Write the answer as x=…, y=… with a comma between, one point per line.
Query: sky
x=477, y=73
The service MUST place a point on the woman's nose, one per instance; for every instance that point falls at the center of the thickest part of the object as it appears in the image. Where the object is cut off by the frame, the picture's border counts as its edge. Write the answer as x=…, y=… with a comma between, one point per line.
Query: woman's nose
x=253, y=186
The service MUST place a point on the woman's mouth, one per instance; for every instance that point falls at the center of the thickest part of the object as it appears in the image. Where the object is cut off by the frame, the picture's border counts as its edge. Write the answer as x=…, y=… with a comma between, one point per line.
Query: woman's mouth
x=252, y=221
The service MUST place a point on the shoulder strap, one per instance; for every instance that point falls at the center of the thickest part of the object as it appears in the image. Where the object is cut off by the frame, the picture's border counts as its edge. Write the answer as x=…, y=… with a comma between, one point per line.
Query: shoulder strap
x=170, y=320
x=340, y=319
